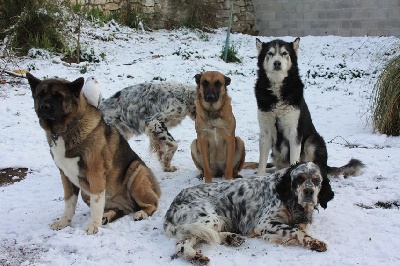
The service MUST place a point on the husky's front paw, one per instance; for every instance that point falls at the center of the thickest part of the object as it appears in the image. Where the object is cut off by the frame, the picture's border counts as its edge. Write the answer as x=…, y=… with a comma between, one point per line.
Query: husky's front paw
x=60, y=223
x=92, y=229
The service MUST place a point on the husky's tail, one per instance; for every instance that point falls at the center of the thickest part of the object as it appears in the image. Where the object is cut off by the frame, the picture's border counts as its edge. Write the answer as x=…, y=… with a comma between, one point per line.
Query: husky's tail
x=203, y=232
x=352, y=168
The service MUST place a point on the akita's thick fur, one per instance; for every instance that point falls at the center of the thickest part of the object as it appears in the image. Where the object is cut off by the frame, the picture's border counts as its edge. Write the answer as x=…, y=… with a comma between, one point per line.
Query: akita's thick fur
x=91, y=156
x=285, y=122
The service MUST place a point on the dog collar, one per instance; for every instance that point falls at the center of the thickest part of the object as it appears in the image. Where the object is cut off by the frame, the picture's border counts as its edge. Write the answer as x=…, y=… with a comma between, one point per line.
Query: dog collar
x=55, y=136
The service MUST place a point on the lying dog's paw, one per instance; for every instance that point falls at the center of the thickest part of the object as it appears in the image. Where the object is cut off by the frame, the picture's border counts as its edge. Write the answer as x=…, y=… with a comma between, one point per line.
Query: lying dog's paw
x=234, y=240
x=92, y=229
x=318, y=246
x=60, y=224
x=140, y=215
x=199, y=259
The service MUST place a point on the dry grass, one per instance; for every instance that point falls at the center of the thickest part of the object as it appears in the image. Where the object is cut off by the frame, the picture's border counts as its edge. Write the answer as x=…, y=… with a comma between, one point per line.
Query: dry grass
x=386, y=104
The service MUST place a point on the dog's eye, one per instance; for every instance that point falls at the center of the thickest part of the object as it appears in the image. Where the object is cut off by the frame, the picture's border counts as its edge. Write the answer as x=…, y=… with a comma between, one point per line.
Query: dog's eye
x=217, y=84
x=205, y=83
x=270, y=54
x=285, y=53
x=57, y=95
x=316, y=181
x=302, y=176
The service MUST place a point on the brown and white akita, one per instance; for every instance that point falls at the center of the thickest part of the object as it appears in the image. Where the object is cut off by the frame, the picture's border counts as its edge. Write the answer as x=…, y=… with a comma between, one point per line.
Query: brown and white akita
x=92, y=157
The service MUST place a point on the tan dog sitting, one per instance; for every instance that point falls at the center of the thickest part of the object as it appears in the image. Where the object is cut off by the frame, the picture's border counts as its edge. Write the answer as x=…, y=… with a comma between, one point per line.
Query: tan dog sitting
x=216, y=151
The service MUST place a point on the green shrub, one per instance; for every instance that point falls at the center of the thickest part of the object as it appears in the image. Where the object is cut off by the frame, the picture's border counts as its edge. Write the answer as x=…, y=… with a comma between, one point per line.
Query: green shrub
x=33, y=23
x=386, y=104
x=231, y=55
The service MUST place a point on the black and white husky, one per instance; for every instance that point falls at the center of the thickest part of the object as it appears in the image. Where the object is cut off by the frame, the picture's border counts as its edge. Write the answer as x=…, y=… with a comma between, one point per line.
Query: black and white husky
x=285, y=122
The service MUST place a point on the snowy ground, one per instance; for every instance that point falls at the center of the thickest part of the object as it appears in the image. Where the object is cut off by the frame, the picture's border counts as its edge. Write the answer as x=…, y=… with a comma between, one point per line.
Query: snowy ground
x=339, y=74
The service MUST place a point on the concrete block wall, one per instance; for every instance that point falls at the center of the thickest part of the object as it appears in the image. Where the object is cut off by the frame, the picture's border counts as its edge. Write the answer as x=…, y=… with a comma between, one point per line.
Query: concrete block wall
x=327, y=17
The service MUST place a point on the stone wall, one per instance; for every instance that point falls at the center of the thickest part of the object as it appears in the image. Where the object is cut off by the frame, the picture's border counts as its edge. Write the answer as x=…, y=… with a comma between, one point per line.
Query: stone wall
x=167, y=13
x=327, y=17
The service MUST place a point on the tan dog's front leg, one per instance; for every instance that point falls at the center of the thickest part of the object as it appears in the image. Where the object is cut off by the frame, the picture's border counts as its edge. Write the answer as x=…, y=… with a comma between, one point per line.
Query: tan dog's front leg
x=230, y=154
x=204, y=150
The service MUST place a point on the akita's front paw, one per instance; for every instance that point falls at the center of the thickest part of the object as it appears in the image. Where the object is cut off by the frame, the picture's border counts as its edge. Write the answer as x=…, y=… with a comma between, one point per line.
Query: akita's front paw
x=92, y=229
x=60, y=224
x=140, y=215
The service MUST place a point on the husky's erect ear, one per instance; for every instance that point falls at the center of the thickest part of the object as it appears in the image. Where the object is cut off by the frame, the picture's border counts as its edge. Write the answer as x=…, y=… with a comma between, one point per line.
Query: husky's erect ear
x=259, y=45
x=76, y=86
x=197, y=77
x=296, y=45
x=33, y=82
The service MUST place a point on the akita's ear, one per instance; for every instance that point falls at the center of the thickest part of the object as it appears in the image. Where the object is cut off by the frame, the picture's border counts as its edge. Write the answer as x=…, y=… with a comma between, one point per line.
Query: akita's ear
x=227, y=81
x=296, y=45
x=33, y=82
x=197, y=77
x=259, y=45
x=76, y=86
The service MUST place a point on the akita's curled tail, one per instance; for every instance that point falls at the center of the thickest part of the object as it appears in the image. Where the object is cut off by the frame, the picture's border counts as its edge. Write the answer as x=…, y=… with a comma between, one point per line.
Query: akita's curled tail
x=352, y=168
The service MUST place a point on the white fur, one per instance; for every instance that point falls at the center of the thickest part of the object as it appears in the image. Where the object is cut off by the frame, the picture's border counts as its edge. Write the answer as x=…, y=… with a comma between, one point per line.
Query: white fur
x=91, y=90
x=266, y=138
x=69, y=166
x=69, y=211
x=289, y=118
x=97, y=203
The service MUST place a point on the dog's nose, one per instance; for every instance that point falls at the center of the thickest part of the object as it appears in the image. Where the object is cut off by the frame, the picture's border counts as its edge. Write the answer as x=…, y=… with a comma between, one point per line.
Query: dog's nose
x=44, y=107
x=277, y=64
x=308, y=192
x=210, y=98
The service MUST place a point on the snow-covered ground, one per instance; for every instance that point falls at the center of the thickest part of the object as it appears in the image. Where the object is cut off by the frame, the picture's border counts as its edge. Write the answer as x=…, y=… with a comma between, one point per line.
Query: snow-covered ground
x=339, y=74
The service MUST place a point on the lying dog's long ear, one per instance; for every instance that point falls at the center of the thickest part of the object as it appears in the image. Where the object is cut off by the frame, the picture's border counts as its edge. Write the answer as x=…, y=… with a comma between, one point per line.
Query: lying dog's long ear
x=33, y=82
x=197, y=77
x=227, y=80
x=284, y=187
x=325, y=194
x=259, y=45
x=76, y=86
x=296, y=45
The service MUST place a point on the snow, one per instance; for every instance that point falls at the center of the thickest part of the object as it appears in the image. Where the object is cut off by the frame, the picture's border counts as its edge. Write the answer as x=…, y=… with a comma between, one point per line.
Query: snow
x=339, y=74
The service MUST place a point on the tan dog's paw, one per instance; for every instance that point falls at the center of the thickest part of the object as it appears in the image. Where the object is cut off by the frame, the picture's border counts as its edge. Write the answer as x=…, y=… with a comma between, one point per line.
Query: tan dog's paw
x=92, y=229
x=60, y=224
x=170, y=169
x=140, y=215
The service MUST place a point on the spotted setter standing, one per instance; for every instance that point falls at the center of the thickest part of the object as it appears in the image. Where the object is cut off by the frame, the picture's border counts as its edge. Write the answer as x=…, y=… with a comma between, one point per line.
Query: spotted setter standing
x=151, y=108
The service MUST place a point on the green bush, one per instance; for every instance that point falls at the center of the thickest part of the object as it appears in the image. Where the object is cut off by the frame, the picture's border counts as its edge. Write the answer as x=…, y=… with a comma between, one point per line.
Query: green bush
x=386, y=104
x=231, y=55
x=33, y=23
